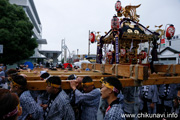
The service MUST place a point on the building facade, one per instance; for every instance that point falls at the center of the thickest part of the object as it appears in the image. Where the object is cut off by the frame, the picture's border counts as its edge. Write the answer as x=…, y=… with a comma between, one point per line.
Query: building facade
x=168, y=51
x=31, y=12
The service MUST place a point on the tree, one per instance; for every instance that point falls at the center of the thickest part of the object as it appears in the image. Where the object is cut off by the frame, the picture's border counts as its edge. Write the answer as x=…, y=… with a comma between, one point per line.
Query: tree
x=15, y=34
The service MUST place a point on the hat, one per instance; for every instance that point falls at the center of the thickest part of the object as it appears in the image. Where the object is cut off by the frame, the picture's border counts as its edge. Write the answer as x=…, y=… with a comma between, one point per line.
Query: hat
x=72, y=77
x=112, y=83
x=44, y=75
x=54, y=81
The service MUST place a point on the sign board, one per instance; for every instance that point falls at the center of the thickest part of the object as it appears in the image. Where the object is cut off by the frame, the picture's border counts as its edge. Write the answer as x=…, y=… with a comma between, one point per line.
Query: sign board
x=162, y=45
x=1, y=49
x=162, y=41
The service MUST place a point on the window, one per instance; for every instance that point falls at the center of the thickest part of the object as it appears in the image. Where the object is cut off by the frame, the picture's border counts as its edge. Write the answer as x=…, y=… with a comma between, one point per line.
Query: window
x=163, y=59
x=171, y=58
x=169, y=43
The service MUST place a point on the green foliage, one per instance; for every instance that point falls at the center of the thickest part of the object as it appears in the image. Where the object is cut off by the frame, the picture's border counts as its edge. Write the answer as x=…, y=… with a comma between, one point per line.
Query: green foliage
x=15, y=33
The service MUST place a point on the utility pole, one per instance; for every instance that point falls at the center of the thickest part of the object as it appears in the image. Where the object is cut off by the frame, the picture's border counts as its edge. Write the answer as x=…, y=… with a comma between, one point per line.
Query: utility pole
x=65, y=54
x=77, y=53
x=69, y=53
x=89, y=44
x=62, y=49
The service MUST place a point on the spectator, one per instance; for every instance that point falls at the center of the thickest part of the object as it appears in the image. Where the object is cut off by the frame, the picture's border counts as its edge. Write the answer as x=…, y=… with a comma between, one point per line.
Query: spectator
x=9, y=105
x=3, y=83
x=47, y=64
x=69, y=67
x=89, y=98
x=58, y=107
x=111, y=87
x=62, y=67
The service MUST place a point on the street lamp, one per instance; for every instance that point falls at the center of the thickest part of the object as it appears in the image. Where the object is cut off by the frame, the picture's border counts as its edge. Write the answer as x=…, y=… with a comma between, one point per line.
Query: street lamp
x=62, y=49
x=77, y=51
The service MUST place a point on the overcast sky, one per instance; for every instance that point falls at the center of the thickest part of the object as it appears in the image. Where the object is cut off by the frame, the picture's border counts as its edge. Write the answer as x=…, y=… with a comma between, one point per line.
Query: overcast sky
x=72, y=19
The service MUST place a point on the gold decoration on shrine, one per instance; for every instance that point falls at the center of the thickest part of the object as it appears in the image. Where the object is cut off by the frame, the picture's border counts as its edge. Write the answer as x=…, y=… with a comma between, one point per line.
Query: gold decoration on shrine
x=160, y=30
x=136, y=31
x=98, y=36
x=130, y=12
x=129, y=31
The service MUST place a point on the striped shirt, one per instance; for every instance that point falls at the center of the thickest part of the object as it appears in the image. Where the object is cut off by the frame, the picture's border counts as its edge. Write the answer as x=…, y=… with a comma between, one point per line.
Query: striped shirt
x=60, y=108
x=29, y=107
x=89, y=103
x=114, y=111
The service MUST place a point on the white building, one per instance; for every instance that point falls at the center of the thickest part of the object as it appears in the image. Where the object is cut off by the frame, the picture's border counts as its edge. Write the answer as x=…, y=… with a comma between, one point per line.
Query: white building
x=168, y=51
x=31, y=12
x=174, y=42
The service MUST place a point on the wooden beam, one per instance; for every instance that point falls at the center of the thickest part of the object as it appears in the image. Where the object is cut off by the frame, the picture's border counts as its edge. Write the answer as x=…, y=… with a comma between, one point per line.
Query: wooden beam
x=98, y=67
x=92, y=66
x=124, y=70
x=167, y=68
x=64, y=77
x=133, y=73
x=41, y=85
x=107, y=68
x=89, y=65
x=65, y=73
x=140, y=72
x=121, y=70
x=83, y=66
x=162, y=80
x=155, y=75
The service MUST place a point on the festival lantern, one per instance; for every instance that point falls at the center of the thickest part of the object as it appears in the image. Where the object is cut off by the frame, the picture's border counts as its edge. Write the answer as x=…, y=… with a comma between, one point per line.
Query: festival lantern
x=170, y=31
x=92, y=37
x=115, y=23
x=118, y=6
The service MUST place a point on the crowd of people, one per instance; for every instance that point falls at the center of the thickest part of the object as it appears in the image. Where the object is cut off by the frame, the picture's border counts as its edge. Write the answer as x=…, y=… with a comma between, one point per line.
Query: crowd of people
x=83, y=101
